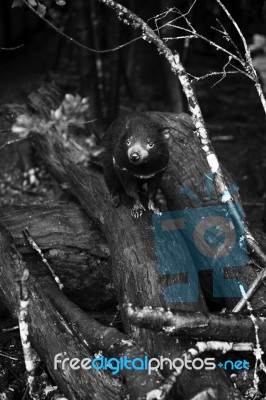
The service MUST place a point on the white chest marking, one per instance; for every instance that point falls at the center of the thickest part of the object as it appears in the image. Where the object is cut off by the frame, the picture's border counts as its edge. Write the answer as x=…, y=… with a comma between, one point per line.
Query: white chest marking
x=135, y=175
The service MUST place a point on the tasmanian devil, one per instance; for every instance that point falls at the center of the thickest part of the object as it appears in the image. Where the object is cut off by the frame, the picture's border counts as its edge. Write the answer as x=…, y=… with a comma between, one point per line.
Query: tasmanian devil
x=136, y=152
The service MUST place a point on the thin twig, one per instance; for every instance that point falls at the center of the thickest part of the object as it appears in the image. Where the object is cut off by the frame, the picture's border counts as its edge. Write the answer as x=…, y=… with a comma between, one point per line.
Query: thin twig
x=76, y=41
x=12, y=142
x=235, y=25
x=26, y=392
x=167, y=38
x=7, y=356
x=210, y=74
x=14, y=328
x=12, y=48
x=228, y=37
x=174, y=10
x=223, y=73
x=250, y=71
x=192, y=31
x=35, y=247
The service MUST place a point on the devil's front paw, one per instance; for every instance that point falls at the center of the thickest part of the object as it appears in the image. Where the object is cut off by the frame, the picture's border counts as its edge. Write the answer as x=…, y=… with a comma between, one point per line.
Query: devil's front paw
x=137, y=210
x=115, y=199
x=152, y=207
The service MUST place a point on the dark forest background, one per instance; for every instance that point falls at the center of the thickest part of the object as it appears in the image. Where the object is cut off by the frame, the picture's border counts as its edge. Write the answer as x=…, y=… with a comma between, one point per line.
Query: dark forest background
x=132, y=78
x=136, y=77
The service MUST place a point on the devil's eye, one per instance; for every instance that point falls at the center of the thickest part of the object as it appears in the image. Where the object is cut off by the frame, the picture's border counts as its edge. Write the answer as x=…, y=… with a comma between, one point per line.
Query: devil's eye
x=128, y=142
x=150, y=144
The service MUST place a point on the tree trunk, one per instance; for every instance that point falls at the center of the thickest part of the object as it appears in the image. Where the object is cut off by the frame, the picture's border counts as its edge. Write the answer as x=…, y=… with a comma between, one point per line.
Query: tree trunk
x=135, y=269
x=132, y=243
x=72, y=244
x=189, y=170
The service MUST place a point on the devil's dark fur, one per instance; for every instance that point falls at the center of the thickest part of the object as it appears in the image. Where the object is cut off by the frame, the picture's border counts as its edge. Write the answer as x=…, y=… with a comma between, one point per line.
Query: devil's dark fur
x=136, y=151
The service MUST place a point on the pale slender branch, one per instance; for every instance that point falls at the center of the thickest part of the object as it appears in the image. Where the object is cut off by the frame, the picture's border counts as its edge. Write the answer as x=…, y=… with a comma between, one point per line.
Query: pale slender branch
x=193, y=30
x=12, y=48
x=36, y=248
x=242, y=72
x=235, y=25
x=166, y=39
x=224, y=73
x=211, y=74
x=174, y=10
x=227, y=37
x=162, y=15
x=11, y=142
x=197, y=35
x=250, y=70
x=7, y=356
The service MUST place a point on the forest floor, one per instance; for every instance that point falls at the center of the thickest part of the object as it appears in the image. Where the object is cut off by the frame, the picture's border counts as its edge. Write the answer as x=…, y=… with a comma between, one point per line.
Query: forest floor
x=231, y=108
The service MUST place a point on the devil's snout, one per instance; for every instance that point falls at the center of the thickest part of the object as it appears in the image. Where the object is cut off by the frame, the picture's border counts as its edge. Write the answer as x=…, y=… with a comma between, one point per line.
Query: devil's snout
x=134, y=157
x=137, y=154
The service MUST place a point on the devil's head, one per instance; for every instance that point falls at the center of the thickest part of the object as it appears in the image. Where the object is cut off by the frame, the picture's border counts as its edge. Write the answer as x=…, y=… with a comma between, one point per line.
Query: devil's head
x=143, y=143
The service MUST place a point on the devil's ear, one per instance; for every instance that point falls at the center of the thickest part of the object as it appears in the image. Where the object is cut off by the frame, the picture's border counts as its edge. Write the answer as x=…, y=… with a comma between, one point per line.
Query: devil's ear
x=166, y=132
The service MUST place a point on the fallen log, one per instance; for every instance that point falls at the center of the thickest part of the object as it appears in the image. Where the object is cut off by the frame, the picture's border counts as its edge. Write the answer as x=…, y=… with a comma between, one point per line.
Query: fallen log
x=71, y=243
x=222, y=327
x=109, y=342
x=49, y=332
x=135, y=268
x=188, y=184
x=66, y=223
x=83, y=336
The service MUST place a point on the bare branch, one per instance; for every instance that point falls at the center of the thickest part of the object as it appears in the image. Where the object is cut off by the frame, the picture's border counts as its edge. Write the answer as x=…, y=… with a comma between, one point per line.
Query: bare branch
x=11, y=48
x=224, y=72
x=193, y=32
x=12, y=142
x=174, y=10
x=242, y=72
x=179, y=37
x=227, y=37
x=72, y=39
x=235, y=25
x=162, y=15
x=211, y=74
x=36, y=248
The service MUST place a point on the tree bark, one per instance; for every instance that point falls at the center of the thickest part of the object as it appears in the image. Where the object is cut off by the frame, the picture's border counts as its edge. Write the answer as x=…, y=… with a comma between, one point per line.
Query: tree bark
x=222, y=327
x=50, y=334
x=72, y=244
x=131, y=242
x=135, y=269
x=189, y=169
